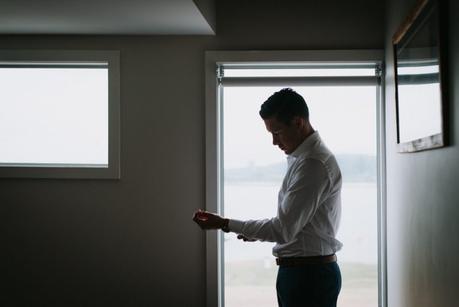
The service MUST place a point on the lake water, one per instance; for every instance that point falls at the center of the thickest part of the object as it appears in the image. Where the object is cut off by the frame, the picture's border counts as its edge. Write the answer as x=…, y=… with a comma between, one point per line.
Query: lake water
x=358, y=229
x=250, y=270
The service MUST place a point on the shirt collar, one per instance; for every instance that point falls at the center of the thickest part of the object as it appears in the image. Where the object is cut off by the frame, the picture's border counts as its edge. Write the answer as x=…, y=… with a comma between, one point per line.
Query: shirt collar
x=307, y=144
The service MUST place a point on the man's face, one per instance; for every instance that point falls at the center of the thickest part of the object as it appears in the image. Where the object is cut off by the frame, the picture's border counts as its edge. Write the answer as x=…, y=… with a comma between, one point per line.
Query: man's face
x=286, y=137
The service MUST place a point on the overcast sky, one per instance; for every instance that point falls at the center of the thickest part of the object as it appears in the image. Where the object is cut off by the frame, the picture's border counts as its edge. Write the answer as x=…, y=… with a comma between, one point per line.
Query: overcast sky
x=344, y=116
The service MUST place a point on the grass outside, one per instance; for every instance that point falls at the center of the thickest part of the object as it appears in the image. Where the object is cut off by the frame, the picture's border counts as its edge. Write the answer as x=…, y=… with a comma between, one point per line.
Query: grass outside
x=253, y=283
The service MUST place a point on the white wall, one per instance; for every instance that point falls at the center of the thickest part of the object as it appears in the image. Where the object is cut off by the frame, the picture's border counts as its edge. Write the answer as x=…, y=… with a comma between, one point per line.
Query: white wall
x=423, y=194
x=132, y=242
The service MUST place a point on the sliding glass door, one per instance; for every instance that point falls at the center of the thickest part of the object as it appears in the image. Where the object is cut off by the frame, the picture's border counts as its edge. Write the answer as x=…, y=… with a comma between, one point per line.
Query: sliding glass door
x=345, y=115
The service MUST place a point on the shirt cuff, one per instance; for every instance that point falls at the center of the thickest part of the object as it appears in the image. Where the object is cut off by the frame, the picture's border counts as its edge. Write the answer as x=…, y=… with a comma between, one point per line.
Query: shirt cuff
x=236, y=226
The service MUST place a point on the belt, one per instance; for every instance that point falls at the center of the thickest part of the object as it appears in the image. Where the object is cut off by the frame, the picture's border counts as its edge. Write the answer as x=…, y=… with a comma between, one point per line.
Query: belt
x=298, y=261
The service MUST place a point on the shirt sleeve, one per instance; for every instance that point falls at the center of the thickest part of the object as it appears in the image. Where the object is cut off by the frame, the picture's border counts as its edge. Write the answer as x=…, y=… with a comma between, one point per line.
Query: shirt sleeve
x=302, y=197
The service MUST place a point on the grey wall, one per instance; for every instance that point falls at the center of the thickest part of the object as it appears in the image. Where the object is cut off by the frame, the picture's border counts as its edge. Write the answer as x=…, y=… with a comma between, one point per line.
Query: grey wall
x=423, y=194
x=132, y=242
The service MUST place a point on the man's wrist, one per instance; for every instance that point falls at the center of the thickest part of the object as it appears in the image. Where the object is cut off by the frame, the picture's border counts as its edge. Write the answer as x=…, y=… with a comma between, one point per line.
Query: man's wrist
x=225, y=225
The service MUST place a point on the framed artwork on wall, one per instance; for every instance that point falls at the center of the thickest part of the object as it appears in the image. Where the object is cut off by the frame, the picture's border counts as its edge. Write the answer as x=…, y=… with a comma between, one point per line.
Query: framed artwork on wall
x=420, y=88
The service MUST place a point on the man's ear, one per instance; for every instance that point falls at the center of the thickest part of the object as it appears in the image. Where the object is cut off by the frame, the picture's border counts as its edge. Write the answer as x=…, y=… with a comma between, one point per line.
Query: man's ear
x=298, y=121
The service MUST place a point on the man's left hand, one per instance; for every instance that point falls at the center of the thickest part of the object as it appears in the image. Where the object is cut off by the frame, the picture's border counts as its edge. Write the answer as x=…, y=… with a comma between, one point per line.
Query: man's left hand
x=245, y=239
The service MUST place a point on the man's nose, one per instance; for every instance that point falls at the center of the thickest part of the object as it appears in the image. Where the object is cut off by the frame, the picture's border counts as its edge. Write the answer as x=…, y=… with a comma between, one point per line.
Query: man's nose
x=275, y=140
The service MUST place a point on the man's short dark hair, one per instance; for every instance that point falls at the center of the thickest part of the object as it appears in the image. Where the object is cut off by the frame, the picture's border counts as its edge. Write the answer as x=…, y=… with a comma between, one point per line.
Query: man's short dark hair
x=284, y=105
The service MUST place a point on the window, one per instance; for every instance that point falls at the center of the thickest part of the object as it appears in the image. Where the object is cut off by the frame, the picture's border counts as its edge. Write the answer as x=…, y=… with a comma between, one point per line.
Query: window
x=59, y=114
x=344, y=102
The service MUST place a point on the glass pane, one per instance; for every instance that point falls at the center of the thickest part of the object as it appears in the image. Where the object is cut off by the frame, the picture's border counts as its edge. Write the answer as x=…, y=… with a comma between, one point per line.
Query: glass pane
x=425, y=99
x=346, y=120
x=54, y=116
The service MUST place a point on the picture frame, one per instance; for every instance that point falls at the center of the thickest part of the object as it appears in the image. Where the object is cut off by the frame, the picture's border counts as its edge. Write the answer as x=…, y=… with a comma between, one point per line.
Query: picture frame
x=419, y=86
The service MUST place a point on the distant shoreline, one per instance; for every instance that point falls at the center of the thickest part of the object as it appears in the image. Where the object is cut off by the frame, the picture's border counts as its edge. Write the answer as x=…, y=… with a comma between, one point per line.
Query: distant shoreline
x=354, y=168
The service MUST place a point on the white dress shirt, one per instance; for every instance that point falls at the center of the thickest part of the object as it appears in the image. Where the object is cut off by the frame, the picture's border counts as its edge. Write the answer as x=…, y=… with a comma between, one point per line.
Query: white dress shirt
x=309, y=205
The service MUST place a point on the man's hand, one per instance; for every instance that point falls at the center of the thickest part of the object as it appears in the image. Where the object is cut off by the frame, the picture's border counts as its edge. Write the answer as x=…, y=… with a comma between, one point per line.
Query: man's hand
x=245, y=239
x=207, y=220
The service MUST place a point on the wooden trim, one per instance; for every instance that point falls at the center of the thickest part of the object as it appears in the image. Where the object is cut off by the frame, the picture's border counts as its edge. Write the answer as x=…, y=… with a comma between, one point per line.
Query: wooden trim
x=409, y=20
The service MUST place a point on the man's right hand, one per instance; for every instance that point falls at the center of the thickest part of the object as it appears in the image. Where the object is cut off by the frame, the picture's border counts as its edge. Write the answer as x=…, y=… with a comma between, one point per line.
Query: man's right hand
x=207, y=220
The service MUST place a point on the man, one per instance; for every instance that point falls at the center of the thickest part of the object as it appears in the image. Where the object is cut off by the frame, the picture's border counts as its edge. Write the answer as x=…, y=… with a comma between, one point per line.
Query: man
x=309, y=209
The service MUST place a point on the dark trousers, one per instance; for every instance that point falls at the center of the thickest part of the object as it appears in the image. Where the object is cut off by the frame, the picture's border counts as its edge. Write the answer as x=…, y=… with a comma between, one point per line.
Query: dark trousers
x=308, y=285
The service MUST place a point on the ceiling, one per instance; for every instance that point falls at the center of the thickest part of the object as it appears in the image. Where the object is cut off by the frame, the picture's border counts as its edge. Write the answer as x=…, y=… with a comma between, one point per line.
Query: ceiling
x=131, y=17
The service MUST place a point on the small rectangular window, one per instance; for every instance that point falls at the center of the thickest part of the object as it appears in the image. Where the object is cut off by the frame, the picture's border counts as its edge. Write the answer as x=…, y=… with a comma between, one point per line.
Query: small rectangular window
x=59, y=118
